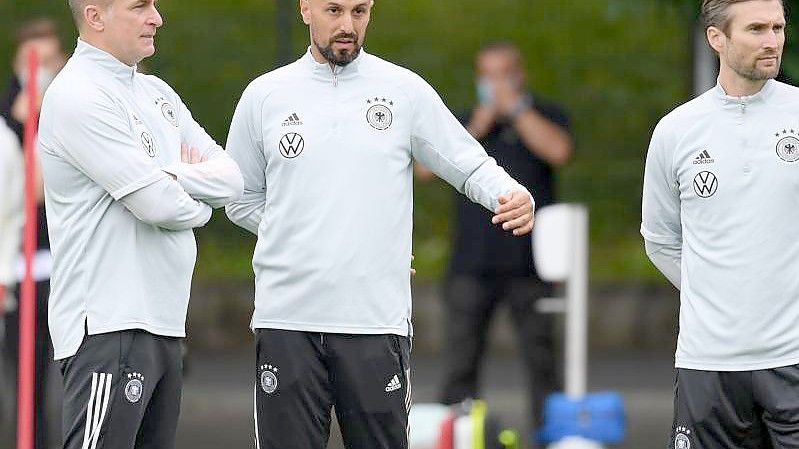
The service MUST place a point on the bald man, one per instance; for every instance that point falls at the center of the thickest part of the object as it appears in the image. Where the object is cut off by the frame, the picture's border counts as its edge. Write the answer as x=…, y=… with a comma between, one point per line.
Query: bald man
x=336, y=132
x=128, y=175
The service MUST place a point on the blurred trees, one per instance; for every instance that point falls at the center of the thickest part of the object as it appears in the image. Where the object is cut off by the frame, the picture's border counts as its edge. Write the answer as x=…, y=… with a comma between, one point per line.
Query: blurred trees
x=616, y=65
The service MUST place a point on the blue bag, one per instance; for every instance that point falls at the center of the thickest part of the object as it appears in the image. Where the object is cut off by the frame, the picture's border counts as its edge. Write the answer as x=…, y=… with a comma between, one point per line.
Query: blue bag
x=596, y=416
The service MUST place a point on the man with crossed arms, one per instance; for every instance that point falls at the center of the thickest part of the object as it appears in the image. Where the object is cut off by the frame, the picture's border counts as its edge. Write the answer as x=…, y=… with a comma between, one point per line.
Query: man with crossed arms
x=128, y=175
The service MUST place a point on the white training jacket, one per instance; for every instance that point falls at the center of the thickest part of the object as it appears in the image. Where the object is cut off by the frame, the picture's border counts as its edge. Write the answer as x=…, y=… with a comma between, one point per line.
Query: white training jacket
x=120, y=225
x=12, y=175
x=328, y=188
x=720, y=203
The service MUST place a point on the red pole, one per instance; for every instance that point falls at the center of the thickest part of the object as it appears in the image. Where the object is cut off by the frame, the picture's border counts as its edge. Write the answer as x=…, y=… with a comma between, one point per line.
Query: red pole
x=27, y=302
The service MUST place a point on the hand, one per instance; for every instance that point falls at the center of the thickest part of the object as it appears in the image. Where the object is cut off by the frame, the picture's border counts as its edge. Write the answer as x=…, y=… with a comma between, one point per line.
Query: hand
x=413, y=270
x=482, y=121
x=508, y=95
x=19, y=109
x=515, y=212
x=191, y=155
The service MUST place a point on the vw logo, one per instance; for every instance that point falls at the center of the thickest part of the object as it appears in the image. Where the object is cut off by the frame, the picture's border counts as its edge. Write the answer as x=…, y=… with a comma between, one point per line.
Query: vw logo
x=705, y=184
x=148, y=144
x=291, y=145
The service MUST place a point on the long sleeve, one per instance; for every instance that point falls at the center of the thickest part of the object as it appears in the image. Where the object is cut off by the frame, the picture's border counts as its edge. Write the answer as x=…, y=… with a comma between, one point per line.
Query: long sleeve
x=660, y=210
x=216, y=182
x=245, y=146
x=98, y=142
x=667, y=259
x=165, y=204
x=443, y=145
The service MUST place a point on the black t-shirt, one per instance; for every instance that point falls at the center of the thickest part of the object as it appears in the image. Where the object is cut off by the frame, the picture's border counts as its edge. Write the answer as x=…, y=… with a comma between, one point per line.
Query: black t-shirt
x=6, y=102
x=481, y=248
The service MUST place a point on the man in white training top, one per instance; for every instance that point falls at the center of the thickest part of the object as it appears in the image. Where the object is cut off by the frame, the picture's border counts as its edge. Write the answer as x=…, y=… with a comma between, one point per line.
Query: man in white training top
x=720, y=204
x=326, y=146
x=128, y=175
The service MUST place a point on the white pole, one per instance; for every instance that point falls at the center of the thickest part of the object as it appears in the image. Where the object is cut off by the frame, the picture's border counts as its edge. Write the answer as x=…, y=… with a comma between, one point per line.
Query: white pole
x=577, y=307
x=705, y=64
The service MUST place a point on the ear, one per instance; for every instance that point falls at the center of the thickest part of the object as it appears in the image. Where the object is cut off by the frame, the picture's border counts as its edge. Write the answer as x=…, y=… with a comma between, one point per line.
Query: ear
x=94, y=17
x=716, y=38
x=305, y=10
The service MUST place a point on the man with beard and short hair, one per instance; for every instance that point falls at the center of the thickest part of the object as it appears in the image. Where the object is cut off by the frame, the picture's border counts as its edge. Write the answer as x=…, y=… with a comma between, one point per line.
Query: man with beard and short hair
x=326, y=146
x=718, y=217
x=128, y=175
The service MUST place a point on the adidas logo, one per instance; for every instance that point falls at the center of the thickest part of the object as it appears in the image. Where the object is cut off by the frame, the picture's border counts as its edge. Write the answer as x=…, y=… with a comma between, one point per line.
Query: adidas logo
x=394, y=384
x=293, y=120
x=703, y=158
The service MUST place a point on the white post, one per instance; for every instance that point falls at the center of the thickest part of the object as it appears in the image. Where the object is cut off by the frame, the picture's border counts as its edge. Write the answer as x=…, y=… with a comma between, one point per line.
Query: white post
x=577, y=307
x=705, y=64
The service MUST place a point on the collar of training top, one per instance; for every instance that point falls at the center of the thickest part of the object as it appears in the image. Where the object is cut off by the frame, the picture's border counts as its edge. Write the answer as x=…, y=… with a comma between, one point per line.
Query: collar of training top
x=762, y=96
x=325, y=72
x=105, y=60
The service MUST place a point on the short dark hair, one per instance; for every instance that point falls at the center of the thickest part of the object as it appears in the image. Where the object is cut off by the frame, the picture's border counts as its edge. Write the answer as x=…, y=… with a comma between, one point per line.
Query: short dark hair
x=76, y=7
x=715, y=13
x=503, y=47
x=36, y=29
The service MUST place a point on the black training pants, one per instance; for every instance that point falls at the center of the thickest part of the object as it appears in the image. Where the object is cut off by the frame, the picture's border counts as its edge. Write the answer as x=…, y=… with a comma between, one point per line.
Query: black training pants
x=300, y=376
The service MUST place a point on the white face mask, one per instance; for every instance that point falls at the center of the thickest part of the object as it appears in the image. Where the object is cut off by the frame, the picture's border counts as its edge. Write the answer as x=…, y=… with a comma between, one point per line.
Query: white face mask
x=485, y=91
x=43, y=79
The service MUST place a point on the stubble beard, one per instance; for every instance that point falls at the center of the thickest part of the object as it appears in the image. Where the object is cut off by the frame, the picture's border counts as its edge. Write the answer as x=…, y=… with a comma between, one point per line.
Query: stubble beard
x=341, y=58
x=751, y=72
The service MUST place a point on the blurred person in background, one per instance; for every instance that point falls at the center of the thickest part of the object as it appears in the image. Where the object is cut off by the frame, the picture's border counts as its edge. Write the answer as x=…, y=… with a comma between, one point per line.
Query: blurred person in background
x=41, y=36
x=11, y=210
x=326, y=145
x=530, y=137
x=718, y=216
x=11, y=221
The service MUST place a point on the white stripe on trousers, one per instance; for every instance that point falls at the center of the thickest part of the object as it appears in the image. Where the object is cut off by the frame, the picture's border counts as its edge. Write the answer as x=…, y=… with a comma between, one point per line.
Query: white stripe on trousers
x=96, y=409
x=408, y=401
x=255, y=415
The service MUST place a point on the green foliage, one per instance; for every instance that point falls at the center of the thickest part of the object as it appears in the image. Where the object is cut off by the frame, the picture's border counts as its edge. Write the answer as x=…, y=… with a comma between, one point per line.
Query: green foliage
x=616, y=65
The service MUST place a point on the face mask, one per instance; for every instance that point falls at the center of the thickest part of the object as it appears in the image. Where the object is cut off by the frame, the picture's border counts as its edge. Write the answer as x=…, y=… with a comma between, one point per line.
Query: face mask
x=43, y=80
x=485, y=91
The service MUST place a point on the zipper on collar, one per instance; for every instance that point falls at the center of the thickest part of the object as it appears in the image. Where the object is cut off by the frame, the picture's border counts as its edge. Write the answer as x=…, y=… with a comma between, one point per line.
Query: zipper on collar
x=335, y=75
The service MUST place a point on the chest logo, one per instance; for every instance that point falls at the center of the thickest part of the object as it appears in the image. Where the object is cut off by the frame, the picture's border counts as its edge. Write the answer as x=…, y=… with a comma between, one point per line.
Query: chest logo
x=169, y=114
x=706, y=184
x=379, y=114
x=703, y=158
x=148, y=144
x=788, y=146
x=291, y=145
x=293, y=120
